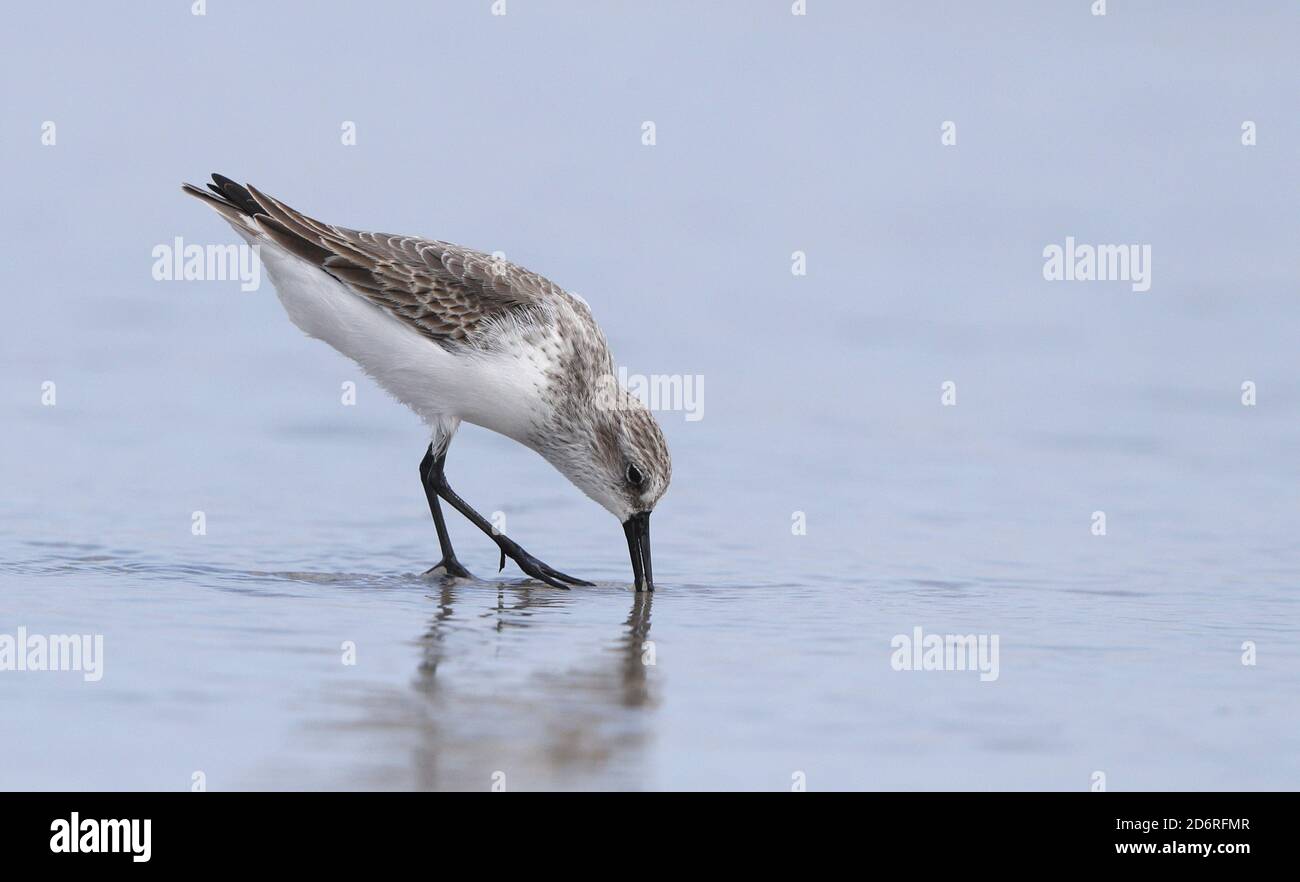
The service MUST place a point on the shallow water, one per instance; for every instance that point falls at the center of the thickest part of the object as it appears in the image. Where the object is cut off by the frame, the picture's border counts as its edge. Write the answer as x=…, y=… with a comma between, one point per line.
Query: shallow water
x=771, y=650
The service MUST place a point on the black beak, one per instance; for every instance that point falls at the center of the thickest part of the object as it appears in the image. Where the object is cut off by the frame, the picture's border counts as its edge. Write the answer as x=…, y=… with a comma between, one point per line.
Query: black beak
x=637, y=529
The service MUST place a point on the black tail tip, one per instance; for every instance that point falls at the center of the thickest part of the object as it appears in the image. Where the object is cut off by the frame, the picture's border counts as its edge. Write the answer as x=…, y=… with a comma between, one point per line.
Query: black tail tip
x=237, y=194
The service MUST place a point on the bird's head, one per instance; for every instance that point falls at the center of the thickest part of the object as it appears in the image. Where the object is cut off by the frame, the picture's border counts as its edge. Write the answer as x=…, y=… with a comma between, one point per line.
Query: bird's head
x=613, y=450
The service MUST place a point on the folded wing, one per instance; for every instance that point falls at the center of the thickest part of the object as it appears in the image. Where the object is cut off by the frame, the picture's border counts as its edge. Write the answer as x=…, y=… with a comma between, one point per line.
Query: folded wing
x=447, y=292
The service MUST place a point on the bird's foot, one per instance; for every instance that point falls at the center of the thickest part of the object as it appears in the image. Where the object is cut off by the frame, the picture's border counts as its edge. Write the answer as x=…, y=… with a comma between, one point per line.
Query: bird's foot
x=534, y=567
x=450, y=567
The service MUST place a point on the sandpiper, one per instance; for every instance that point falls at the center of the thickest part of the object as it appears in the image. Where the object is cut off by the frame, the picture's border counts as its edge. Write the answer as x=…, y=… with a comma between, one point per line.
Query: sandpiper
x=459, y=335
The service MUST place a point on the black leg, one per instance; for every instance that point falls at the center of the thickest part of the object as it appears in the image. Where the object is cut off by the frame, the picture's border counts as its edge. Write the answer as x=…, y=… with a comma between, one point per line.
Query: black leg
x=449, y=565
x=437, y=481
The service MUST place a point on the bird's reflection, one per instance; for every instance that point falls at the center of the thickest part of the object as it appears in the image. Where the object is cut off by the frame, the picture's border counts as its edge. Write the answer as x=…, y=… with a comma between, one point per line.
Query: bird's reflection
x=525, y=599
x=525, y=683
x=433, y=638
x=512, y=613
x=516, y=604
x=638, y=651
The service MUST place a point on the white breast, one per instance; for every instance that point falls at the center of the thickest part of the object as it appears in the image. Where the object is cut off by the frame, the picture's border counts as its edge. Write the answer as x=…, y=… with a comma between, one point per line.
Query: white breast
x=501, y=391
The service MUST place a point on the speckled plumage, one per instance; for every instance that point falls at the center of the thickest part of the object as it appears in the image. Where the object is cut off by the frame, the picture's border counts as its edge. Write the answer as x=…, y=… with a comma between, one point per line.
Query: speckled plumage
x=515, y=352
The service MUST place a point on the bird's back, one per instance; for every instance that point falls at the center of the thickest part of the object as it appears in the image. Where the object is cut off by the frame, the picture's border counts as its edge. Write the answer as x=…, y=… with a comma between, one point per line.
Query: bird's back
x=449, y=331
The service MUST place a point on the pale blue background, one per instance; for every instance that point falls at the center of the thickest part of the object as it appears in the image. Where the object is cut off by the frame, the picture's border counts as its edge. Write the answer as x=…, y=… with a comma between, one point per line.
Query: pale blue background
x=775, y=133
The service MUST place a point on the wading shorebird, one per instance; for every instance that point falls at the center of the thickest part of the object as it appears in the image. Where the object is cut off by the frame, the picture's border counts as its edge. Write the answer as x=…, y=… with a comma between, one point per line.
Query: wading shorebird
x=458, y=335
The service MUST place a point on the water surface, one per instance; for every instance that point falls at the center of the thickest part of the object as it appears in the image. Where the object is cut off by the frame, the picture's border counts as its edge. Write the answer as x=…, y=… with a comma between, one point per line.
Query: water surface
x=771, y=647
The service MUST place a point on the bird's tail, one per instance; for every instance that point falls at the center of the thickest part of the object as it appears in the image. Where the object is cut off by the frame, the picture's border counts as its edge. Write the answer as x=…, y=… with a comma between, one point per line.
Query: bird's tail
x=231, y=200
x=262, y=219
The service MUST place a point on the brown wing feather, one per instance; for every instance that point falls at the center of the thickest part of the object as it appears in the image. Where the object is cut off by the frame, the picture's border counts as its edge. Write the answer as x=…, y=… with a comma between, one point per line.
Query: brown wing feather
x=446, y=292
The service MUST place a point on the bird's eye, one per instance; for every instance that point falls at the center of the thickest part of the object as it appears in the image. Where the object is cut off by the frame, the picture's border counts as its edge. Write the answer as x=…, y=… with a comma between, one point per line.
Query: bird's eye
x=634, y=476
